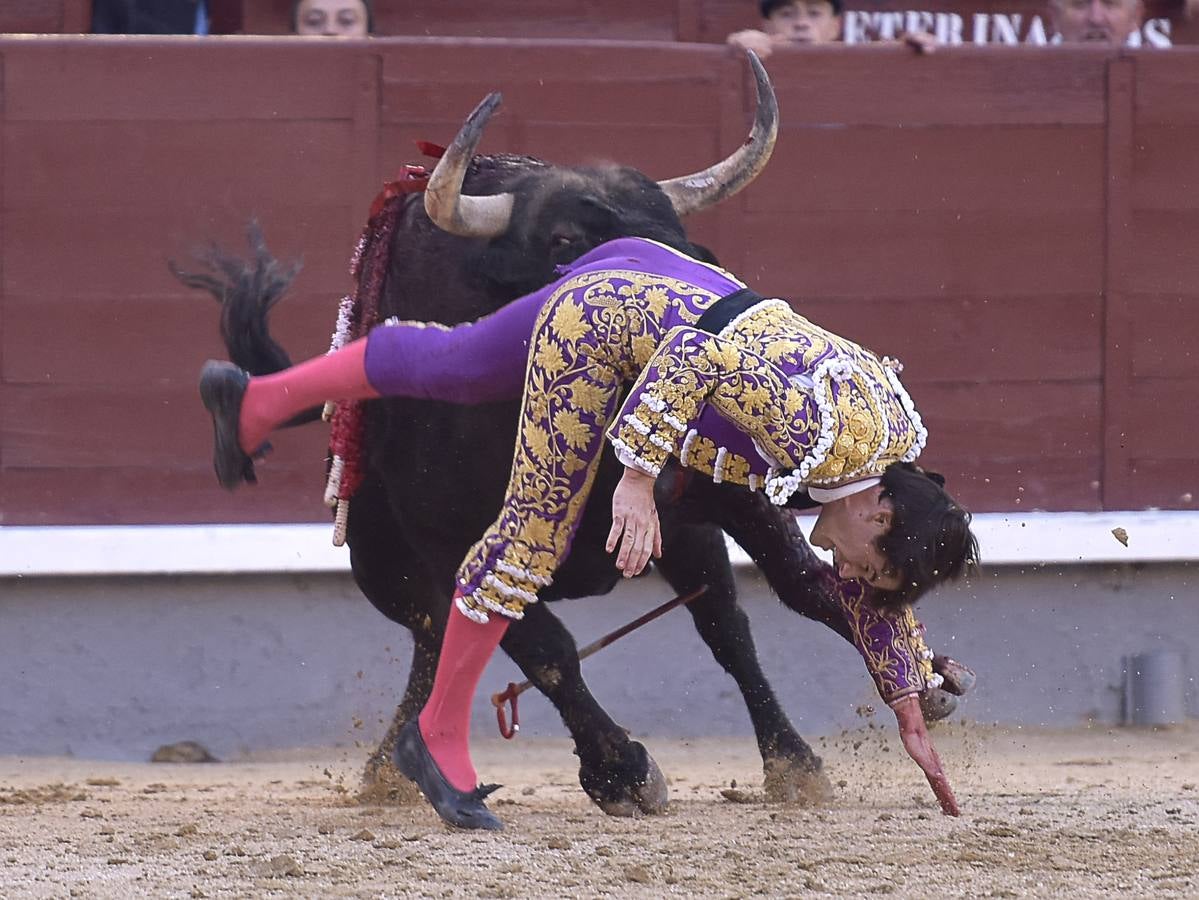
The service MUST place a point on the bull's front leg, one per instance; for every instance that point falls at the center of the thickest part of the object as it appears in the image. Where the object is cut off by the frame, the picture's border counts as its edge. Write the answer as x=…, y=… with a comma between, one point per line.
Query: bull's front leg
x=694, y=555
x=616, y=772
x=394, y=576
x=381, y=780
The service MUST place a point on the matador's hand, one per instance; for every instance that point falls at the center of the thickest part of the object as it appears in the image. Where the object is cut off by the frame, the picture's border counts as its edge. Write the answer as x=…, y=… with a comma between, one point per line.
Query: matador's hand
x=636, y=517
x=919, y=745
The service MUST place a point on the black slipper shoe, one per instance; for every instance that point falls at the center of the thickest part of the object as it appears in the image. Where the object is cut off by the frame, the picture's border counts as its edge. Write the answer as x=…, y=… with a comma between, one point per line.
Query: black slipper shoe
x=222, y=386
x=462, y=809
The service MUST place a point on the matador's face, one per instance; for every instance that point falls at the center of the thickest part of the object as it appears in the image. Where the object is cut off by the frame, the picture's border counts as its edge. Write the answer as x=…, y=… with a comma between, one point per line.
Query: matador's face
x=850, y=527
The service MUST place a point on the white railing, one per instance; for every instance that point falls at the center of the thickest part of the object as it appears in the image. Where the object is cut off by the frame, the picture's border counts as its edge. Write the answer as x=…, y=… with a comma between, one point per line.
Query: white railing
x=1034, y=538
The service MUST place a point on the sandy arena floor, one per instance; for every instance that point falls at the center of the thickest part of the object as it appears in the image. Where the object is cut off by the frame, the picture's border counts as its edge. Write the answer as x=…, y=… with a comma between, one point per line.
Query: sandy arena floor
x=1088, y=813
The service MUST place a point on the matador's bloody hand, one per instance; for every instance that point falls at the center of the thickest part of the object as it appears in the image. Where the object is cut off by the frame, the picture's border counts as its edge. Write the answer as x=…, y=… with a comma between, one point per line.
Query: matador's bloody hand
x=914, y=734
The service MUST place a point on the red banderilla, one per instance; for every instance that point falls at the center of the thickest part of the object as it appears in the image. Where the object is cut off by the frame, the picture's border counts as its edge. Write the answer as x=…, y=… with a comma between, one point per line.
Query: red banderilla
x=509, y=694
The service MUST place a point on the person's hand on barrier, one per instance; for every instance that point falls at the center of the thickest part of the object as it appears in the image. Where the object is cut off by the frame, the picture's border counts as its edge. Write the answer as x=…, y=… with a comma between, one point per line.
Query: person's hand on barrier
x=634, y=522
x=920, y=42
x=751, y=39
x=919, y=745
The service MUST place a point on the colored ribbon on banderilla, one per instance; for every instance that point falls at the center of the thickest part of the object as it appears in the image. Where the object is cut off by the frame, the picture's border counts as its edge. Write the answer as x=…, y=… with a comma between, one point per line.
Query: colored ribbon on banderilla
x=357, y=314
x=514, y=690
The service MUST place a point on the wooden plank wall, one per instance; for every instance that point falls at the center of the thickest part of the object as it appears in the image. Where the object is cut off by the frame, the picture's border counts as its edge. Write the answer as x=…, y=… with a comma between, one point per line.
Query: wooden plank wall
x=960, y=230
x=45, y=16
x=1016, y=227
x=1153, y=294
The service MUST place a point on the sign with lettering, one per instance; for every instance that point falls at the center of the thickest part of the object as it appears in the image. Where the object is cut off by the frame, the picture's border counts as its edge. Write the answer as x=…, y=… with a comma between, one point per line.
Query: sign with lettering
x=981, y=23
x=864, y=27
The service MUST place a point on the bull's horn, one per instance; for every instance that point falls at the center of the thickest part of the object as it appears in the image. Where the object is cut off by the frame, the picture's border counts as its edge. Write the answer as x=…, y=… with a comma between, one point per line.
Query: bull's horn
x=692, y=193
x=447, y=206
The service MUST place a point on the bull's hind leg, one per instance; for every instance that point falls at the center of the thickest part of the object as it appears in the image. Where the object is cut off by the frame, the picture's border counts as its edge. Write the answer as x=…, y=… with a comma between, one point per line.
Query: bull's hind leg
x=616, y=772
x=694, y=555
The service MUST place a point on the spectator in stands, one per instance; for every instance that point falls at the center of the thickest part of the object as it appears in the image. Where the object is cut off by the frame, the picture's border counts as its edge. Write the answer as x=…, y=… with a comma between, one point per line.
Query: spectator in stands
x=791, y=22
x=1096, y=21
x=805, y=23
x=332, y=18
x=149, y=17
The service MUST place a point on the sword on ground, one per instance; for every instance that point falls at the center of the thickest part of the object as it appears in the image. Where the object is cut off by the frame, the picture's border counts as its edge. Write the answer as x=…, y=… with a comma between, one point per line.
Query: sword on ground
x=514, y=690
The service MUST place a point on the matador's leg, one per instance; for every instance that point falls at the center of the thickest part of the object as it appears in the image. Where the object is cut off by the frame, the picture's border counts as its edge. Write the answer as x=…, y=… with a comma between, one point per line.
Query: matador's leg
x=475, y=362
x=571, y=390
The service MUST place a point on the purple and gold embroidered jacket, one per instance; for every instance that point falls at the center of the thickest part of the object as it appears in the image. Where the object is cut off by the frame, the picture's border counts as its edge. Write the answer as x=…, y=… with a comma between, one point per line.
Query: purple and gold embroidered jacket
x=771, y=402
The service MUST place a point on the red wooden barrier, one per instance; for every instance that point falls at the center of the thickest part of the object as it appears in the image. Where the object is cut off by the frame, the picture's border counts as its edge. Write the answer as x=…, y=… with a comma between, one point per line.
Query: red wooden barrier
x=1016, y=226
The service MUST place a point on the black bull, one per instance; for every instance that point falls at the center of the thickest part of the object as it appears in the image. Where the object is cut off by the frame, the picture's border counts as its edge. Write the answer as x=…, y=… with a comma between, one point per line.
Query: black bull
x=435, y=475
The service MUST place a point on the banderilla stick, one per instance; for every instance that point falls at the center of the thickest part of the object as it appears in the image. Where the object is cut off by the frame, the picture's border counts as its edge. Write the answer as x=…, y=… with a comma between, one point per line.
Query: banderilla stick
x=509, y=694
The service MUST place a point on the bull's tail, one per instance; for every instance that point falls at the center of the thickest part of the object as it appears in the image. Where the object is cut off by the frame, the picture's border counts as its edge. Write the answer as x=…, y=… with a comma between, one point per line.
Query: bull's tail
x=247, y=290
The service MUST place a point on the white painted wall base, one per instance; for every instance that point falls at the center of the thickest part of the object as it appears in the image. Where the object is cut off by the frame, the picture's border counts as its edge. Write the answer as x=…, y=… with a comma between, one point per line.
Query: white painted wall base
x=1035, y=538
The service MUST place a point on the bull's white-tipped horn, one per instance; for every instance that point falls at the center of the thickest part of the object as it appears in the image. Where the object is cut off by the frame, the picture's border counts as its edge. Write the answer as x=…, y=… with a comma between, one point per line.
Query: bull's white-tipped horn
x=447, y=206
x=691, y=193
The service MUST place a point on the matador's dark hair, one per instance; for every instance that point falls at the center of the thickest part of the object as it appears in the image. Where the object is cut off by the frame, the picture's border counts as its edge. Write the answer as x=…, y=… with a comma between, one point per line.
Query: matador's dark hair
x=929, y=541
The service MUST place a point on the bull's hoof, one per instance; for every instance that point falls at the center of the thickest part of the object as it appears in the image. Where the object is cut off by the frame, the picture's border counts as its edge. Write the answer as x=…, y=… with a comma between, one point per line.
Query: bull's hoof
x=958, y=679
x=649, y=798
x=936, y=704
x=631, y=785
x=790, y=781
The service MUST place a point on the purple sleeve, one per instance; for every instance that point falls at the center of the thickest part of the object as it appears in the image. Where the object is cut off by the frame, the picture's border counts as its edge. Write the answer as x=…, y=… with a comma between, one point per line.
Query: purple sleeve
x=713, y=433
x=664, y=402
x=891, y=643
x=691, y=368
x=475, y=362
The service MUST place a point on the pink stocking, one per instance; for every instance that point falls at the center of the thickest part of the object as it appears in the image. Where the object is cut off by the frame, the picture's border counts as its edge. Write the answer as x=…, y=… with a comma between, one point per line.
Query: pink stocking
x=270, y=400
x=445, y=720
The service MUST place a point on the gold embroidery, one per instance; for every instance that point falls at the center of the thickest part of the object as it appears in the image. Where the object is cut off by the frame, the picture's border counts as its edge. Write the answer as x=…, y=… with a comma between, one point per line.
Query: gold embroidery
x=703, y=455
x=869, y=422
x=691, y=367
x=599, y=329
x=891, y=643
x=596, y=330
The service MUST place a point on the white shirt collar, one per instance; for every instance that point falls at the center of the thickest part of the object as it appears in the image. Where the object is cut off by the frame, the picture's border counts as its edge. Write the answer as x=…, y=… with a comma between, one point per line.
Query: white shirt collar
x=828, y=495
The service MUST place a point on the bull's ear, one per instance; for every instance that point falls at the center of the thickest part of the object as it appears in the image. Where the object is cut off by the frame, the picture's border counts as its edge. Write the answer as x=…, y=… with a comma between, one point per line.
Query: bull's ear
x=592, y=202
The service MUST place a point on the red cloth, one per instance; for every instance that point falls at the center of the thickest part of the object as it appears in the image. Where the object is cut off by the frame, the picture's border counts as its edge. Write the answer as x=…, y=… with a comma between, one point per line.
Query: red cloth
x=411, y=179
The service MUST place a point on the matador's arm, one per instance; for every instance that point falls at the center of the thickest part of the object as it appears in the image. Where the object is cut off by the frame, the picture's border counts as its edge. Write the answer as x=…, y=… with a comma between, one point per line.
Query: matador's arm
x=691, y=369
x=890, y=641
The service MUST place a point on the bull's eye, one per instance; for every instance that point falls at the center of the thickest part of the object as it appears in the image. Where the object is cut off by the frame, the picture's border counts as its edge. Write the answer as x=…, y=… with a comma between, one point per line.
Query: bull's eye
x=561, y=240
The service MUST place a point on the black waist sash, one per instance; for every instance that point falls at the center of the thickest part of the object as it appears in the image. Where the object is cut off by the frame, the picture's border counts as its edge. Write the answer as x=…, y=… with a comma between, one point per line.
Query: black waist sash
x=724, y=310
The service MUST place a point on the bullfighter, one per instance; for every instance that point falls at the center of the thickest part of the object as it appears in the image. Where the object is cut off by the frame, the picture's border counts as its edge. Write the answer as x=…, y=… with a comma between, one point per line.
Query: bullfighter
x=737, y=386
